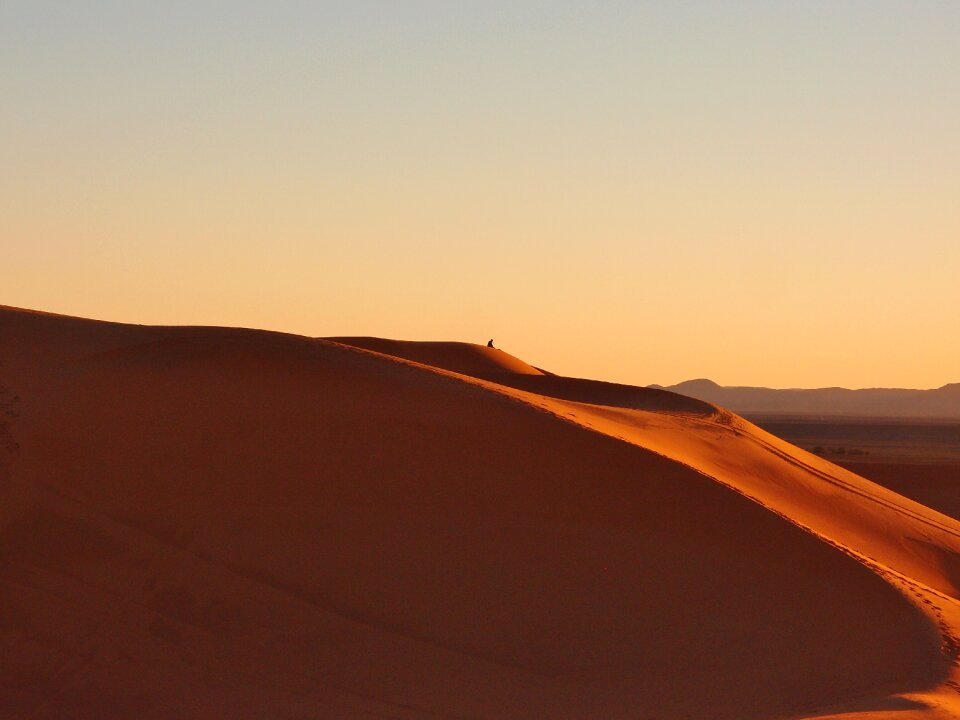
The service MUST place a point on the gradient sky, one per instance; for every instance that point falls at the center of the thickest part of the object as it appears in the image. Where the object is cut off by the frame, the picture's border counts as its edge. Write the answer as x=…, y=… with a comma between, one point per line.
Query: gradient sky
x=757, y=192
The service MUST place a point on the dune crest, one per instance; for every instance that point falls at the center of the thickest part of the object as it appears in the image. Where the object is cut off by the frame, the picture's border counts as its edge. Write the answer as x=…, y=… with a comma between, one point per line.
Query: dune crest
x=464, y=358
x=215, y=522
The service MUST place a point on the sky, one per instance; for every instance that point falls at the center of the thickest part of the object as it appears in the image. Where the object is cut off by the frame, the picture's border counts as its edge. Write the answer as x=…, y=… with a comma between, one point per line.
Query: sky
x=758, y=192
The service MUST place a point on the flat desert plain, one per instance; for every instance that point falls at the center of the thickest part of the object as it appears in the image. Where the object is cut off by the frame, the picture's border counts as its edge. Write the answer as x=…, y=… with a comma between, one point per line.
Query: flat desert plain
x=204, y=522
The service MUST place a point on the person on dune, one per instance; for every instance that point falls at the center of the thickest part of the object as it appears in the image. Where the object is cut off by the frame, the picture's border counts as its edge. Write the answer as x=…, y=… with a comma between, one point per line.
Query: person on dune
x=490, y=343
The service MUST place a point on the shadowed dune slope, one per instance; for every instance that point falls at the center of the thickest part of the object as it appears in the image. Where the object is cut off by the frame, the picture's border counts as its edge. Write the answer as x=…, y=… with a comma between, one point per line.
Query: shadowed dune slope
x=216, y=523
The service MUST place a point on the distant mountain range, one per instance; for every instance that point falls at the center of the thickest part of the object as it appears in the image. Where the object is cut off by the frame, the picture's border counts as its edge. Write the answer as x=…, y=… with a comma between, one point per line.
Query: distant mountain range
x=944, y=402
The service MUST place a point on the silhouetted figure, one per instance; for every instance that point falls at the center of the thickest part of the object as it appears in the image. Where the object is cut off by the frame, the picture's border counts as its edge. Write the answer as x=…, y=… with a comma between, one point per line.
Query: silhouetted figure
x=490, y=342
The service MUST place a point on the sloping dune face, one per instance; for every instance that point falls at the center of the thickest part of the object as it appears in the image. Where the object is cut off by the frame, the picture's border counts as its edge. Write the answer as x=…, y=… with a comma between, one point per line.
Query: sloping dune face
x=216, y=523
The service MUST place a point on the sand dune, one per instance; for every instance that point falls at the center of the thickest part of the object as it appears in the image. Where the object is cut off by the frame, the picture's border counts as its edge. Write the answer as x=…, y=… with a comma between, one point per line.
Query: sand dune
x=935, y=485
x=474, y=360
x=223, y=523
x=487, y=364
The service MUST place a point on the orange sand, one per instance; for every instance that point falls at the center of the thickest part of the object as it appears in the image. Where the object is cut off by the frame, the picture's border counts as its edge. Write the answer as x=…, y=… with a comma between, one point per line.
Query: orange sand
x=225, y=523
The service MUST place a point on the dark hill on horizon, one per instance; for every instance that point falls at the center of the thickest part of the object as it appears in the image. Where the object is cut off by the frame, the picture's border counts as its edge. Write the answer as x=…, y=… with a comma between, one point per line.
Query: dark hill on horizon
x=943, y=402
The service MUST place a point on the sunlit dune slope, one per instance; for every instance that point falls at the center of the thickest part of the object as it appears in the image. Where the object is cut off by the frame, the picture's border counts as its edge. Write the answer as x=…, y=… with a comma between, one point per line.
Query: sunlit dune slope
x=936, y=485
x=217, y=523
